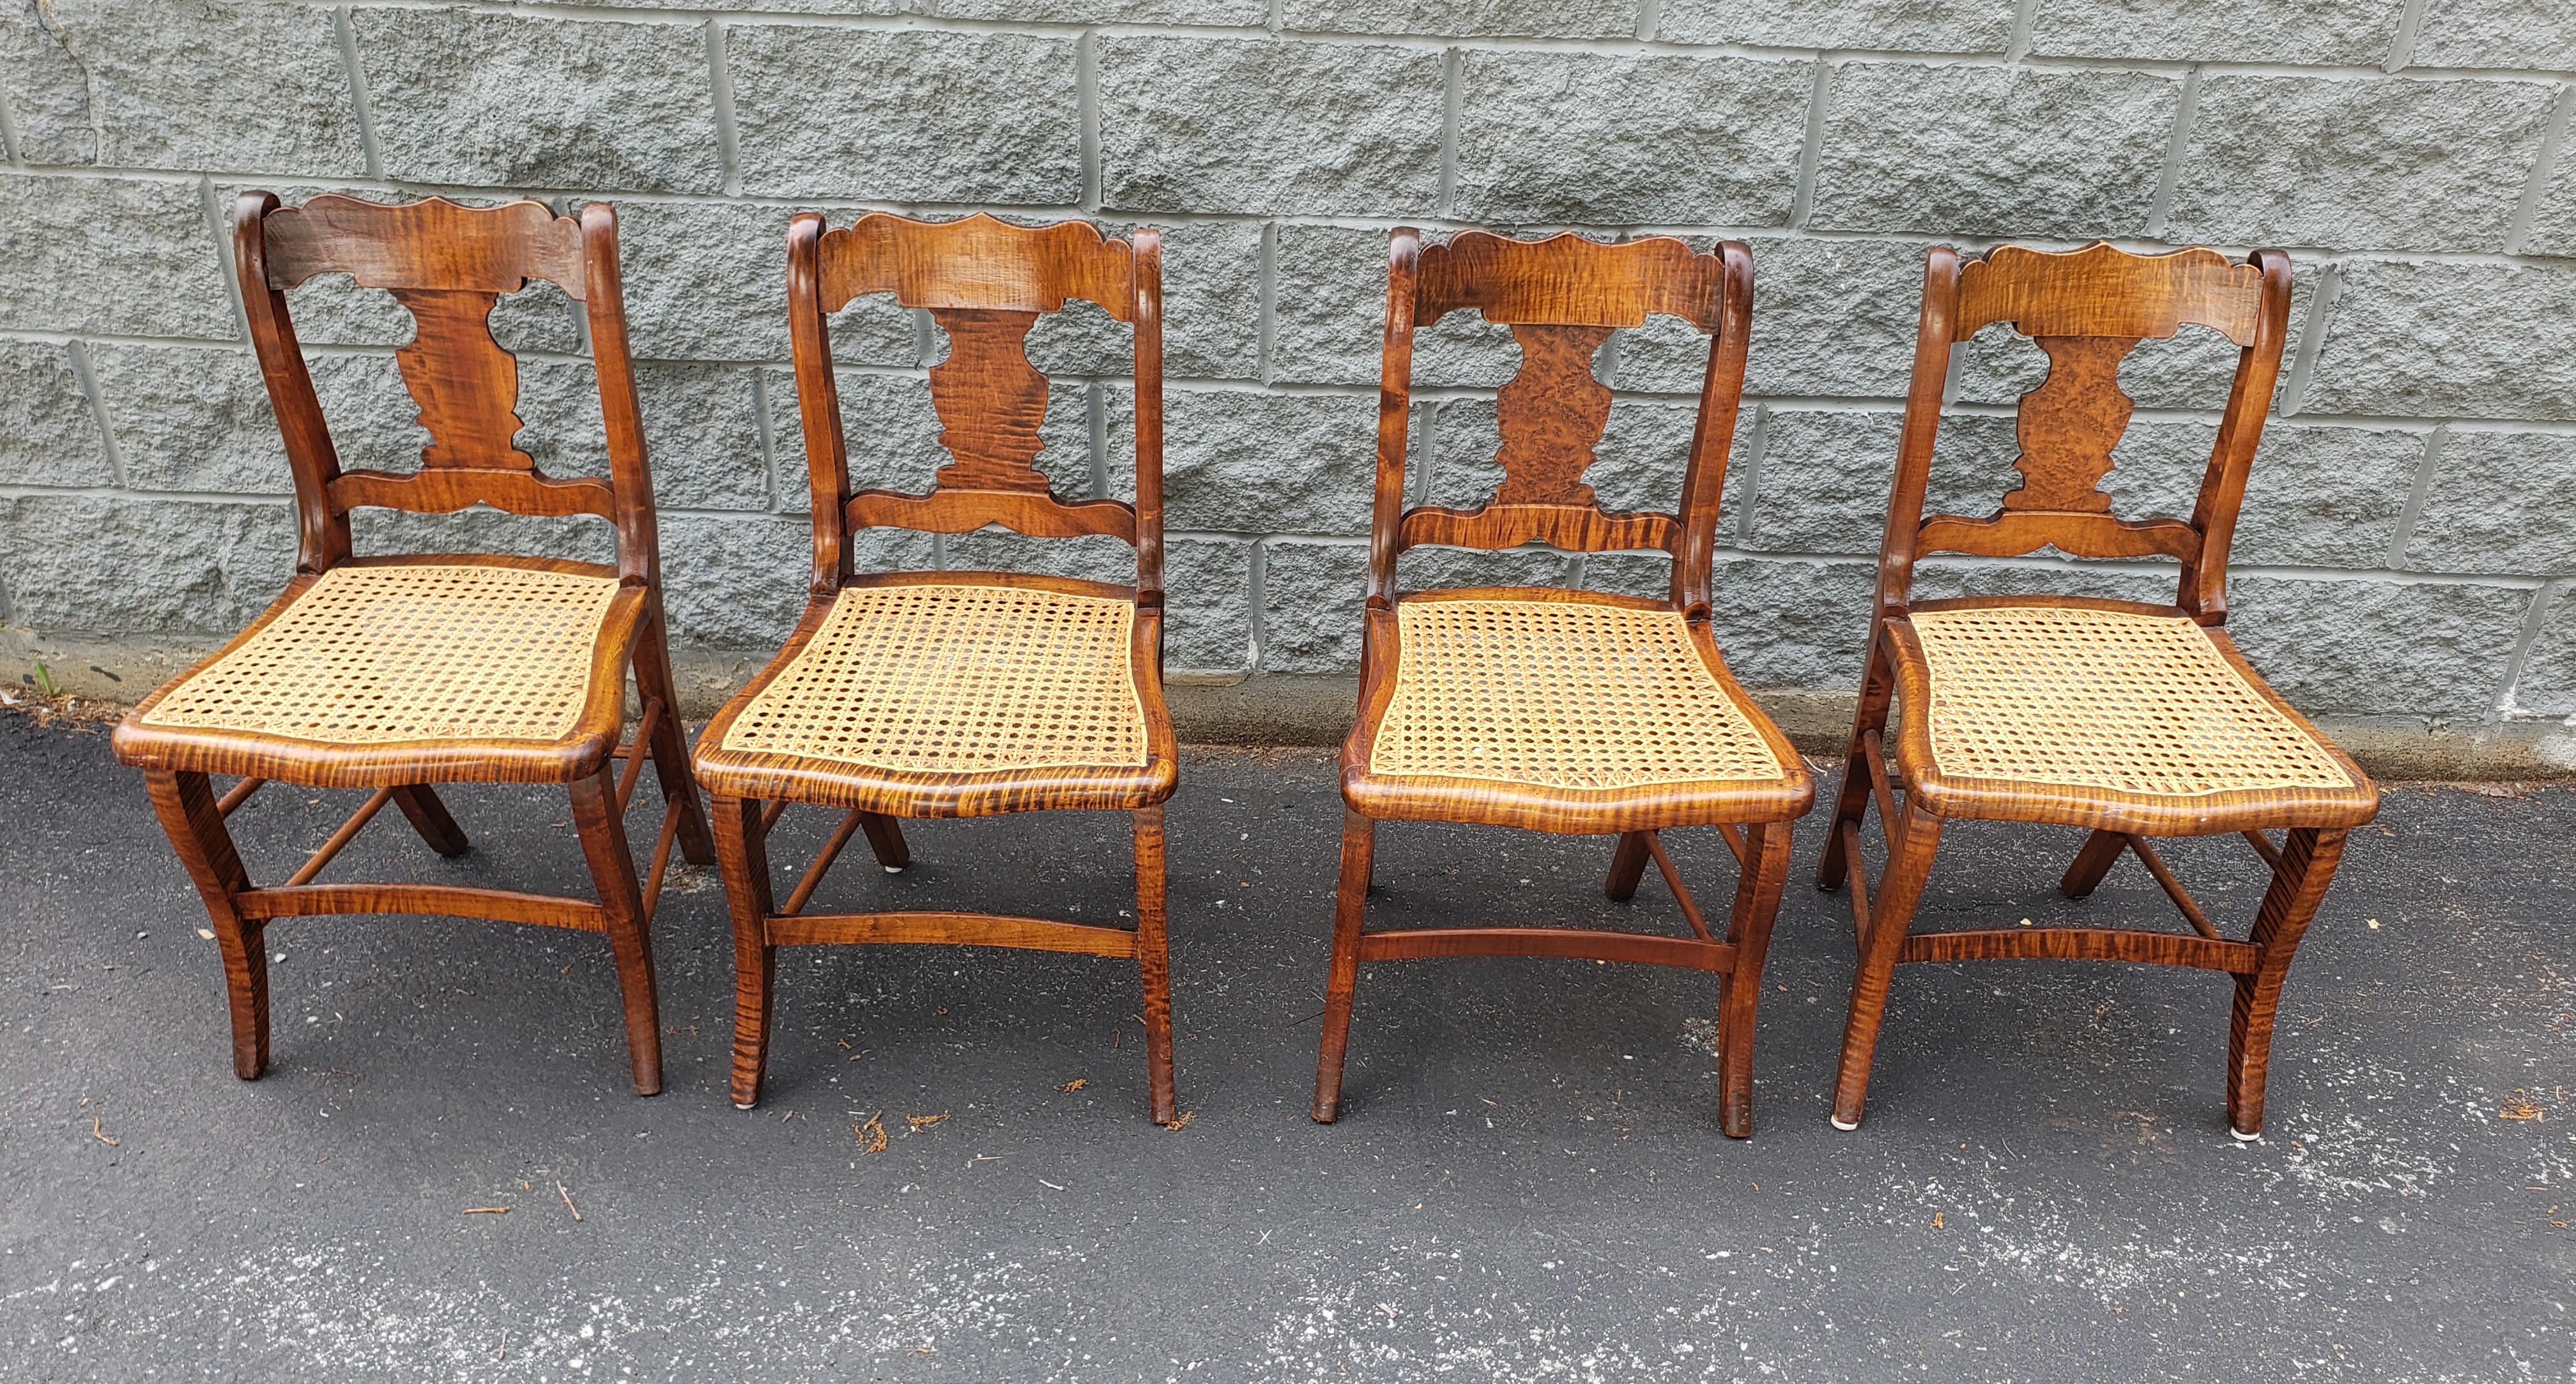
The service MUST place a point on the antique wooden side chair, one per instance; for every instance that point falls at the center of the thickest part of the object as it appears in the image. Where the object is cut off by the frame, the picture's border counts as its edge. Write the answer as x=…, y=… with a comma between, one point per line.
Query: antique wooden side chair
x=1549, y=709
x=2132, y=720
x=956, y=694
x=396, y=673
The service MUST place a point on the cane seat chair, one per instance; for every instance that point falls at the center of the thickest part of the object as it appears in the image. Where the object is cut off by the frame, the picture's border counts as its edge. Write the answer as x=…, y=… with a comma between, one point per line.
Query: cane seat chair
x=2132, y=720
x=1556, y=710
x=394, y=673
x=956, y=694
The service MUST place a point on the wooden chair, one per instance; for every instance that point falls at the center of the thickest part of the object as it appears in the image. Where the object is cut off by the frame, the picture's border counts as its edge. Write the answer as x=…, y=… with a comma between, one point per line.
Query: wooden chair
x=395, y=673
x=2132, y=720
x=956, y=694
x=1555, y=710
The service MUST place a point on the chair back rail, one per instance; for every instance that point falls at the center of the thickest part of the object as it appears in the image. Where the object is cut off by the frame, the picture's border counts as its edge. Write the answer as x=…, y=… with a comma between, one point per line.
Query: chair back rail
x=985, y=282
x=446, y=264
x=1561, y=297
x=2086, y=310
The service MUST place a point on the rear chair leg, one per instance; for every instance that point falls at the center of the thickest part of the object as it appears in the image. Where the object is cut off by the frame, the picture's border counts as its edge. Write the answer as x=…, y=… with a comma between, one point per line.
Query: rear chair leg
x=2101, y=852
x=2298, y=885
x=1350, y=901
x=742, y=854
x=885, y=837
x=621, y=902
x=1852, y=803
x=429, y=817
x=1900, y=887
x=1765, y=872
x=1627, y=866
x=670, y=742
x=1153, y=962
x=186, y=805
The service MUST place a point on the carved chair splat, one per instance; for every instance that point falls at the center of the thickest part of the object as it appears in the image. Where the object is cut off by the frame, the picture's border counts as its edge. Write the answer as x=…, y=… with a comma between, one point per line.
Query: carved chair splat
x=908, y=694
x=349, y=680
x=1557, y=710
x=2131, y=720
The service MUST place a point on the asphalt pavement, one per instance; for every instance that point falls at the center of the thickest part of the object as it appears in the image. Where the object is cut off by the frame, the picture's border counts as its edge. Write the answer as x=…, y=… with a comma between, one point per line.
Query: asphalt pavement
x=1527, y=1183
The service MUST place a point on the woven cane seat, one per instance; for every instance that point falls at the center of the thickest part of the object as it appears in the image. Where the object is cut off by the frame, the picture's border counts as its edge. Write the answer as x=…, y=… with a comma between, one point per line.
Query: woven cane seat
x=1580, y=703
x=905, y=686
x=373, y=656
x=2125, y=705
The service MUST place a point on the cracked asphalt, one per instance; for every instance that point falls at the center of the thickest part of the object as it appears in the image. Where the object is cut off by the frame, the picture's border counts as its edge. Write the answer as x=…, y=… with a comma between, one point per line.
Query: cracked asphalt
x=1527, y=1182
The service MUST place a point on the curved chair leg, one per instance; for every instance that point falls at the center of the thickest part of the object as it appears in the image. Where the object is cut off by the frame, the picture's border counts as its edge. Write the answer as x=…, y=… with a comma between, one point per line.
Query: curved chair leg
x=621, y=902
x=186, y=806
x=1900, y=887
x=1627, y=866
x=1851, y=804
x=1747, y=929
x=885, y=837
x=1153, y=963
x=670, y=743
x=1758, y=882
x=742, y=854
x=2101, y=852
x=2298, y=885
x=1350, y=901
x=429, y=817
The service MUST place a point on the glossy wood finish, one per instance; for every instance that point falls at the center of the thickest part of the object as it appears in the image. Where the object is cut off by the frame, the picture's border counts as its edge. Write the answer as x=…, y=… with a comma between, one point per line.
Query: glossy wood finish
x=447, y=265
x=986, y=283
x=2086, y=310
x=1562, y=297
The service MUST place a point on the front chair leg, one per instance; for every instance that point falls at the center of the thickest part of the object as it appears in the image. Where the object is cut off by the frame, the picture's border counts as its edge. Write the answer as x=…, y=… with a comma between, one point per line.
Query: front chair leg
x=1350, y=902
x=186, y=805
x=1891, y=911
x=1758, y=882
x=2298, y=885
x=1153, y=962
x=621, y=904
x=742, y=854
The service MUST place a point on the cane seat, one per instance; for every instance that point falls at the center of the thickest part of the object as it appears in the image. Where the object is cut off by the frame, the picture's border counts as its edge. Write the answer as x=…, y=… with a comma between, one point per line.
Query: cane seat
x=906, y=687
x=404, y=659
x=1574, y=701
x=2135, y=710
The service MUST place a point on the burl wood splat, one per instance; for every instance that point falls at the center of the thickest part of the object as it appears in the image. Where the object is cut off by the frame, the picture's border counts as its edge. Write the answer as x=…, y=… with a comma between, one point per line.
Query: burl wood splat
x=1551, y=416
x=2069, y=425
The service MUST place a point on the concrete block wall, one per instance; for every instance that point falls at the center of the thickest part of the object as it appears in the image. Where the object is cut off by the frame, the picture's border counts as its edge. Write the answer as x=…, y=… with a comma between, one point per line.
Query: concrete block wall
x=2409, y=545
